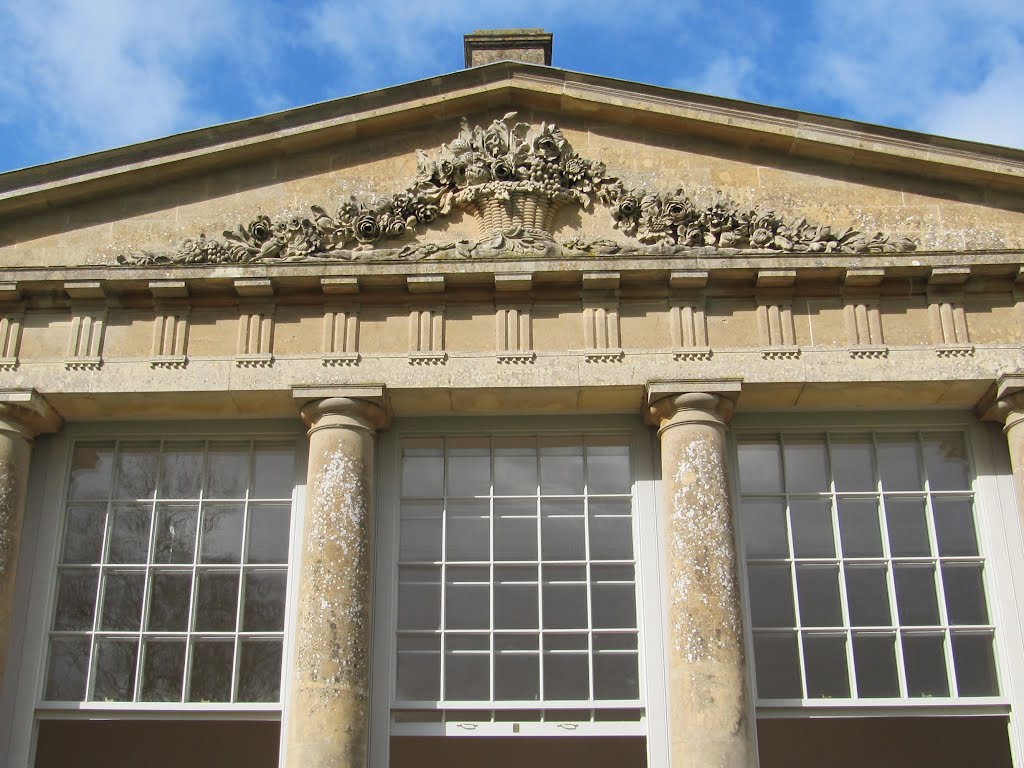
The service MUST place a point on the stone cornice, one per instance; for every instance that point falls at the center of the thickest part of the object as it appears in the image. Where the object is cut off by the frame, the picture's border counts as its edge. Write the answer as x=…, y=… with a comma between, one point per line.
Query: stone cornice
x=510, y=84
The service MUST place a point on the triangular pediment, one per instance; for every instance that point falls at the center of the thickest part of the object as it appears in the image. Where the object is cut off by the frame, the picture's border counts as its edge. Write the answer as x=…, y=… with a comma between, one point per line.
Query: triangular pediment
x=586, y=164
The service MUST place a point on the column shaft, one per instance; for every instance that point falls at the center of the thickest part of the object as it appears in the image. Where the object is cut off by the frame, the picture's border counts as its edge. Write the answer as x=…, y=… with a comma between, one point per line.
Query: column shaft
x=329, y=694
x=709, y=703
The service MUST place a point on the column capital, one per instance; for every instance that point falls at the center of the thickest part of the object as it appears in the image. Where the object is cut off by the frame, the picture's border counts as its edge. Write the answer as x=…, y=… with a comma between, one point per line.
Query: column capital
x=1004, y=401
x=707, y=401
x=365, y=407
x=26, y=413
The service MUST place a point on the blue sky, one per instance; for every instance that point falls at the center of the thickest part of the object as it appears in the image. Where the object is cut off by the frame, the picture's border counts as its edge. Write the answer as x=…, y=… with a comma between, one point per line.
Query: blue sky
x=81, y=76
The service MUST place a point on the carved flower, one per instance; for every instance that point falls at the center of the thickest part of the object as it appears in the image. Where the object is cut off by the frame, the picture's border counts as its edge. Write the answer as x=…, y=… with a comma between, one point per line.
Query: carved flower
x=503, y=170
x=760, y=237
x=261, y=229
x=396, y=228
x=575, y=169
x=367, y=229
x=547, y=146
x=628, y=207
x=675, y=209
x=477, y=173
x=426, y=213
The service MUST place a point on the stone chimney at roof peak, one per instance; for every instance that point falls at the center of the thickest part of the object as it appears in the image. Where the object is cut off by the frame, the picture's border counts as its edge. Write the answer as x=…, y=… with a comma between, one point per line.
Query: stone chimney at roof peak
x=485, y=46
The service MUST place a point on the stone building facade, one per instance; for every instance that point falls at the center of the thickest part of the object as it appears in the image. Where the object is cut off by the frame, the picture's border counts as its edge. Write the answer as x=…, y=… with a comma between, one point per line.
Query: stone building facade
x=515, y=415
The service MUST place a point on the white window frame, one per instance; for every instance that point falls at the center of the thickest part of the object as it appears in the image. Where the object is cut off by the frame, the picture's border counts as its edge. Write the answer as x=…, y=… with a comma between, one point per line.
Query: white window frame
x=648, y=555
x=21, y=700
x=1001, y=545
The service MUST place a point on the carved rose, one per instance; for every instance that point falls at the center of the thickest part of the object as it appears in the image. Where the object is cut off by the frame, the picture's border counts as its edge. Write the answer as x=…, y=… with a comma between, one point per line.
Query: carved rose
x=367, y=229
x=503, y=170
x=675, y=209
x=261, y=229
x=547, y=146
x=426, y=213
x=396, y=228
x=627, y=207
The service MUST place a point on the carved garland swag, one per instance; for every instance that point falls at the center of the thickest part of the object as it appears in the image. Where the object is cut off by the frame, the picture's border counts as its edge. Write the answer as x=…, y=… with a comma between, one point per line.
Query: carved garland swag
x=513, y=181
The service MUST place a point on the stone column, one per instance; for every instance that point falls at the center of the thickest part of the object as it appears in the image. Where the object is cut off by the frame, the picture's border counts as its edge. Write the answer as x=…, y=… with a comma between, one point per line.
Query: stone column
x=710, y=713
x=329, y=690
x=1004, y=403
x=23, y=415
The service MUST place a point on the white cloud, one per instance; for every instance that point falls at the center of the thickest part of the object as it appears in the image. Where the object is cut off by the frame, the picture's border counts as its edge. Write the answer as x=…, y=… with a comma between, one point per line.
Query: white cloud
x=726, y=76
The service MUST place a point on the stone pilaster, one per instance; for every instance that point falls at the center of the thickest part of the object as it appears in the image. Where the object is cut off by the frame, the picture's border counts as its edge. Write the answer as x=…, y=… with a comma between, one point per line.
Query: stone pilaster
x=23, y=415
x=710, y=714
x=329, y=691
x=1004, y=403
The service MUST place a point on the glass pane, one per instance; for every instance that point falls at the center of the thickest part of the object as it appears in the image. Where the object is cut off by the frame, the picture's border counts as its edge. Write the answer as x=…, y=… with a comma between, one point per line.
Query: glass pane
x=859, y=531
x=419, y=668
x=122, y=600
x=965, y=593
x=67, y=669
x=825, y=666
x=945, y=458
x=760, y=465
x=852, y=464
x=771, y=596
x=469, y=466
x=613, y=596
x=874, y=659
x=137, y=465
x=210, y=679
x=419, y=534
x=608, y=468
x=562, y=529
x=908, y=527
x=83, y=533
x=777, y=666
x=216, y=601
x=812, y=529
x=259, y=670
x=806, y=464
x=163, y=670
x=419, y=597
x=423, y=468
x=616, y=670
x=515, y=529
x=129, y=533
x=91, y=468
x=273, y=472
x=561, y=465
x=516, y=668
x=954, y=526
x=227, y=470
x=515, y=466
x=467, y=668
x=566, y=668
x=222, y=533
x=611, y=530
x=975, y=665
x=114, y=669
x=76, y=600
x=867, y=596
x=764, y=529
x=565, y=597
x=818, y=588
x=468, y=532
x=898, y=463
x=169, y=600
x=915, y=594
x=925, y=663
x=515, y=597
x=175, y=533
x=181, y=470
x=467, y=598
x=269, y=526
x=263, y=609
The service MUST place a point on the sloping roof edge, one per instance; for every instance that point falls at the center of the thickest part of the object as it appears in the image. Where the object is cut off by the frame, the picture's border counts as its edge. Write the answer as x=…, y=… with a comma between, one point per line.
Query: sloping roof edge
x=844, y=142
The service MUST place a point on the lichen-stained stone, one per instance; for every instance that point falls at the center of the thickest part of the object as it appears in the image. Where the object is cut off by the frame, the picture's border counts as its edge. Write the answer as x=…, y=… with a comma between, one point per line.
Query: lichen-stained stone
x=329, y=692
x=710, y=712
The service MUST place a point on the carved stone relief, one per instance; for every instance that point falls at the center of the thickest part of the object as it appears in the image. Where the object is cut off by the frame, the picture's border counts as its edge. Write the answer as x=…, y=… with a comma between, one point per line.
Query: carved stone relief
x=513, y=180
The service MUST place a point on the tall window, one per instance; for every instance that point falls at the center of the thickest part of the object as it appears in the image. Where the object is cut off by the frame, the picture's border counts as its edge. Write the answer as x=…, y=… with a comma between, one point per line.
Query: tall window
x=516, y=580
x=863, y=568
x=172, y=572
